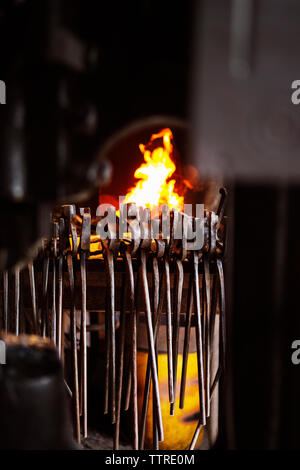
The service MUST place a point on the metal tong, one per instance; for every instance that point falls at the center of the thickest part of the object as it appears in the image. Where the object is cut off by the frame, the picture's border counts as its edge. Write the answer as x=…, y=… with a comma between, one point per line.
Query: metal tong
x=84, y=252
x=69, y=213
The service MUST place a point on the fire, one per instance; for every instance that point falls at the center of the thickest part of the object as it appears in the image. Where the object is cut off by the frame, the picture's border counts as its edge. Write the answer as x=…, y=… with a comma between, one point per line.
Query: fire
x=154, y=187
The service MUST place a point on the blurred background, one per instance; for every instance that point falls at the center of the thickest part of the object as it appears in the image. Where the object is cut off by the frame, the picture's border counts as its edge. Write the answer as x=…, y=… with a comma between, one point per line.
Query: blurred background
x=87, y=81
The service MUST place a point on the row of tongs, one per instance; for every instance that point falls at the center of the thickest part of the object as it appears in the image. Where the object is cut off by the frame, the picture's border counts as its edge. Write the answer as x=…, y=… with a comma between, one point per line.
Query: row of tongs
x=71, y=239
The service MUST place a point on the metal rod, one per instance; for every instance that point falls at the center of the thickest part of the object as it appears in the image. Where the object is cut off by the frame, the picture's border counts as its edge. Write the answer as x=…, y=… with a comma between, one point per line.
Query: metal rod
x=199, y=340
x=121, y=362
x=137, y=302
x=84, y=342
x=73, y=334
x=176, y=325
x=55, y=231
x=214, y=302
x=59, y=306
x=44, y=312
x=187, y=335
x=112, y=333
x=169, y=332
x=222, y=327
x=151, y=344
x=146, y=397
x=155, y=279
x=60, y=320
x=17, y=301
x=133, y=315
x=33, y=294
x=53, y=319
x=207, y=333
x=128, y=389
x=195, y=436
x=107, y=348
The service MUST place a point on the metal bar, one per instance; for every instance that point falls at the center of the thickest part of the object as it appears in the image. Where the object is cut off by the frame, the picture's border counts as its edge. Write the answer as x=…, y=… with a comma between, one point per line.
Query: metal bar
x=44, y=312
x=176, y=326
x=187, y=335
x=60, y=319
x=55, y=231
x=53, y=318
x=195, y=436
x=207, y=356
x=33, y=294
x=199, y=340
x=85, y=240
x=151, y=342
x=169, y=332
x=73, y=334
x=121, y=362
x=222, y=327
x=155, y=279
x=112, y=333
x=107, y=348
x=137, y=302
x=17, y=300
x=59, y=306
x=146, y=397
x=84, y=342
x=133, y=314
x=214, y=302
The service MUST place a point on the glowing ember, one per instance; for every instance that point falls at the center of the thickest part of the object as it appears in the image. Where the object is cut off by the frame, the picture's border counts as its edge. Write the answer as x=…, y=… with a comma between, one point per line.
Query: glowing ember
x=154, y=186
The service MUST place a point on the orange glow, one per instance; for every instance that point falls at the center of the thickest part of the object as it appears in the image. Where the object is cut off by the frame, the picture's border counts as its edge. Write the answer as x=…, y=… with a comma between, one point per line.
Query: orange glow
x=154, y=186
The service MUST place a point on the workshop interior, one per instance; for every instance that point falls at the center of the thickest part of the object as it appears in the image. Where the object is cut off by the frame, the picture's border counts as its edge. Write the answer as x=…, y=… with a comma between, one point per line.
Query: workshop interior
x=131, y=112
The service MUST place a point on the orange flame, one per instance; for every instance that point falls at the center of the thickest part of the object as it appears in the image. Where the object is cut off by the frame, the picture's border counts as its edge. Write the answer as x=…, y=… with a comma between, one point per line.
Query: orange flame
x=154, y=187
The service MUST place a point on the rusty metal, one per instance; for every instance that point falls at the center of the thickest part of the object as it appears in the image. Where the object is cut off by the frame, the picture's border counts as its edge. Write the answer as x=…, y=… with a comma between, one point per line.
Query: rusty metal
x=176, y=325
x=73, y=334
x=84, y=254
x=160, y=252
x=165, y=227
x=155, y=280
x=121, y=362
x=112, y=245
x=109, y=259
x=151, y=343
x=69, y=212
x=207, y=352
x=106, y=360
x=133, y=314
x=169, y=331
x=62, y=243
x=130, y=250
x=187, y=335
x=199, y=338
